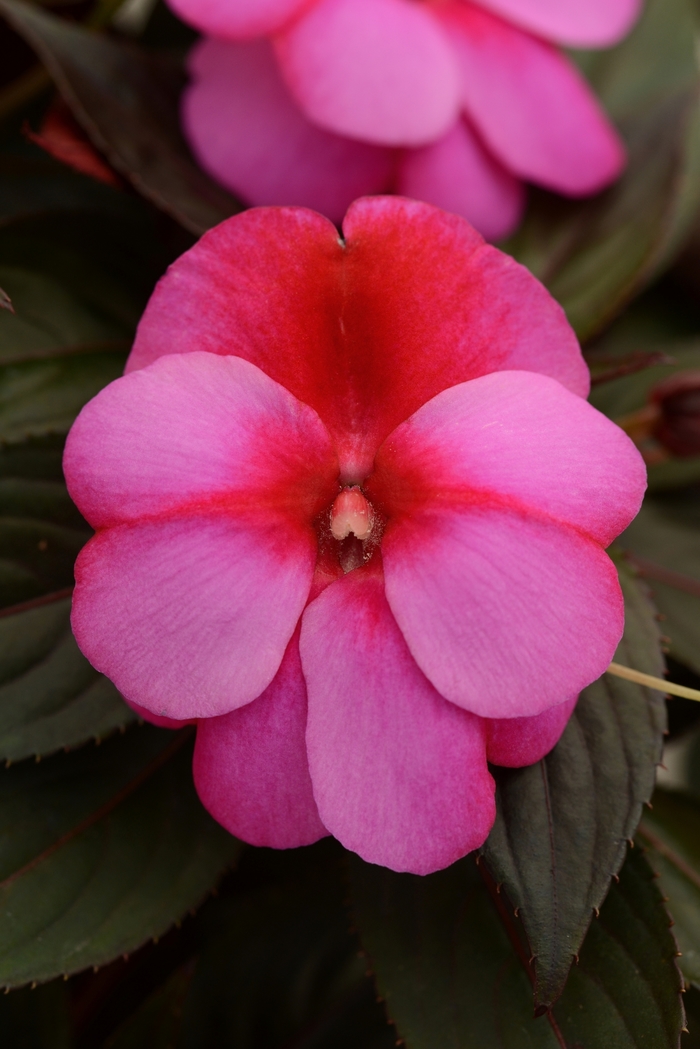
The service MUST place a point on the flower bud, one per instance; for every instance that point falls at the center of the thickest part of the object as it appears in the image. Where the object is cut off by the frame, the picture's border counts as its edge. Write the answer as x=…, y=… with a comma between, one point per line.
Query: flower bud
x=677, y=426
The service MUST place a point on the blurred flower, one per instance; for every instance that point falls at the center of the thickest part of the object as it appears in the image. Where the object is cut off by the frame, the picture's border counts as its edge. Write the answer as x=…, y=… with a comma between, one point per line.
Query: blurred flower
x=351, y=509
x=458, y=103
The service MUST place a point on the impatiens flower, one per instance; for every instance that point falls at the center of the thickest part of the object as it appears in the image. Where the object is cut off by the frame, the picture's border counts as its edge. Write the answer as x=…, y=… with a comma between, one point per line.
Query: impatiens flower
x=456, y=102
x=351, y=508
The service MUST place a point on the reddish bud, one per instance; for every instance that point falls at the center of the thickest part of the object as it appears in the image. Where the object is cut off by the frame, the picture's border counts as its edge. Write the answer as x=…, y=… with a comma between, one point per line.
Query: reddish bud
x=677, y=426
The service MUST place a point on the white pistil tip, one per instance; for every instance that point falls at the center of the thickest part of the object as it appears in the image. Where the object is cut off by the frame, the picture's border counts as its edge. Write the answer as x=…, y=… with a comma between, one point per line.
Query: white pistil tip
x=351, y=513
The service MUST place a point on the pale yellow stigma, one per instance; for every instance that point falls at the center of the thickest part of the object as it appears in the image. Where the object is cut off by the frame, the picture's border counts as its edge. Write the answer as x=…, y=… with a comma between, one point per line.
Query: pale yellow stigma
x=351, y=514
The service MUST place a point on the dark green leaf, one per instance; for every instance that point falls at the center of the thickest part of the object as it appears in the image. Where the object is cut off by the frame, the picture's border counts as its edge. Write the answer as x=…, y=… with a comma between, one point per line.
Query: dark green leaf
x=453, y=980
x=50, y=696
x=127, y=103
x=594, y=255
x=41, y=531
x=279, y=968
x=665, y=534
x=100, y=850
x=562, y=824
x=37, y=1018
x=156, y=1023
x=671, y=832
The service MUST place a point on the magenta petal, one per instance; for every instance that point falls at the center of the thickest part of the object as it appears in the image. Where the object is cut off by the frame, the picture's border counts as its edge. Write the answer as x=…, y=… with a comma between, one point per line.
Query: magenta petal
x=532, y=106
x=190, y=616
x=197, y=432
x=250, y=135
x=458, y=174
x=237, y=19
x=506, y=613
x=516, y=742
x=516, y=440
x=399, y=774
x=161, y=722
x=576, y=23
x=378, y=70
x=250, y=766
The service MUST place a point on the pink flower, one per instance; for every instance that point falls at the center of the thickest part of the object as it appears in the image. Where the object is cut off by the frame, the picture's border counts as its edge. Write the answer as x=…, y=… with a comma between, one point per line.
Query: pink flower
x=317, y=102
x=351, y=508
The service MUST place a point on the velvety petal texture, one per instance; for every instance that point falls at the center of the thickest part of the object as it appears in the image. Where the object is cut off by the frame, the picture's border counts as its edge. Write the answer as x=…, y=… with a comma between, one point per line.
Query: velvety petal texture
x=266, y=151
x=516, y=742
x=459, y=174
x=575, y=23
x=423, y=304
x=251, y=769
x=531, y=105
x=206, y=476
x=378, y=70
x=399, y=774
x=238, y=19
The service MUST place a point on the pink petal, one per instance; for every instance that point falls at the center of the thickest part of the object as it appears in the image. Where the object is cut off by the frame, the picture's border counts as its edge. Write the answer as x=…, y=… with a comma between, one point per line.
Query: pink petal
x=153, y=719
x=237, y=19
x=249, y=134
x=190, y=616
x=514, y=440
x=458, y=174
x=399, y=774
x=532, y=106
x=378, y=70
x=506, y=613
x=576, y=23
x=412, y=292
x=194, y=433
x=250, y=766
x=515, y=742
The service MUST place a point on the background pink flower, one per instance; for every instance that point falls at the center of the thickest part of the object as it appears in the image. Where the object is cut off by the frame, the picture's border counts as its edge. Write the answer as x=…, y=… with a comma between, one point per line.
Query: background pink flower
x=288, y=387
x=316, y=102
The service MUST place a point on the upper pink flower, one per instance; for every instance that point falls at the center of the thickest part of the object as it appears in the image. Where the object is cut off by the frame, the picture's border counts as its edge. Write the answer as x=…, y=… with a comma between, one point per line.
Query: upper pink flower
x=362, y=474
x=453, y=101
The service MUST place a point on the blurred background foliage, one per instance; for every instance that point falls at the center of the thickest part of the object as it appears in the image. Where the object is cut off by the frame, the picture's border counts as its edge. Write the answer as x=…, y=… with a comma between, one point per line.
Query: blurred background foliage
x=128, y=918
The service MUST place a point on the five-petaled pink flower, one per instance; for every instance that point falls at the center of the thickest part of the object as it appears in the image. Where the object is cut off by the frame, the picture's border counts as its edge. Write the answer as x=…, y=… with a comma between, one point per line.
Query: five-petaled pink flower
x=456, y=102
x=351, y=508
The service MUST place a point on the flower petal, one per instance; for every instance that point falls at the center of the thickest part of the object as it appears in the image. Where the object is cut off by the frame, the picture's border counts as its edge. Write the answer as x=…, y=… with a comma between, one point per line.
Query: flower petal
x=516, y=742
x=250, y=766
x=532, y=106
x=512, y=439
x=154, y=719
x=458, y=174
x=399, y=774
x=238, y=19
x=193, y=432
x=378, y=70
x=411, y=292
x=507, y=614
x=249, y=134
x=190, y=616
x=576, y=23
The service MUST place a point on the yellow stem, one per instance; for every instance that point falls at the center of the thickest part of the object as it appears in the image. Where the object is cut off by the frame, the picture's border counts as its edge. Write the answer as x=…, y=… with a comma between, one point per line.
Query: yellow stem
x=657, y=683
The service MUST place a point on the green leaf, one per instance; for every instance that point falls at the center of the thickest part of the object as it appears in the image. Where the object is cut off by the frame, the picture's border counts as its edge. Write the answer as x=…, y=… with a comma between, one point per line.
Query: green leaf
x=100, y=850
x=562, y=825
x=50, y=696
x=37, y=1018
x=453, y=979
x=156, y=1023
x=665, y=534
x=41, y=531
x=126, y=100
x=595, y=255
x=278, y=966
x=671, y=833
